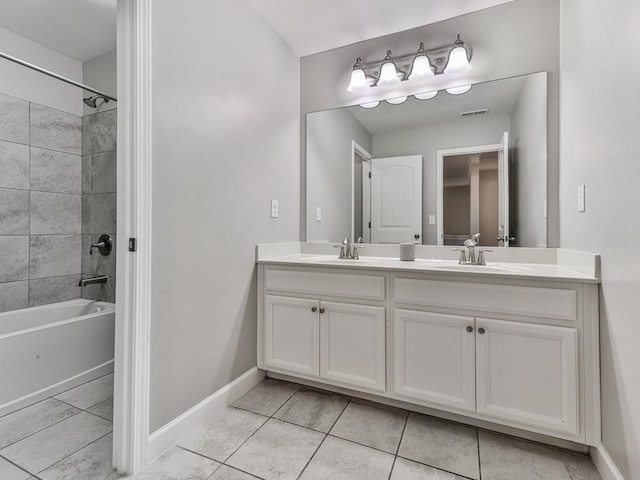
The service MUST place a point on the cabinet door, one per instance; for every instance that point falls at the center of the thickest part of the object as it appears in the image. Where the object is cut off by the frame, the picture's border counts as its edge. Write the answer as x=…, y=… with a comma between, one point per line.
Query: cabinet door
x=434, y=359
x=291, y=334
x=352, y=345
x=527, y=373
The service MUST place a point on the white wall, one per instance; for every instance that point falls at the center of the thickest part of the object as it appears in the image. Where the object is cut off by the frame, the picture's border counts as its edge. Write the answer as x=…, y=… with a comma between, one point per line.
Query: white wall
x=329, y=154
x=507, y=40
x=484, y=130
x=22, y=82
x=101, y=74
x=528, y=166
x=599, y=148
x=225, y=142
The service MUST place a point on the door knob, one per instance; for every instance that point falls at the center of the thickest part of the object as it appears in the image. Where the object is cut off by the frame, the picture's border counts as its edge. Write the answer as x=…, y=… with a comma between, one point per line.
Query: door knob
x=322, y=310
x=481, y=331
x=314, y=309
x=469, y=329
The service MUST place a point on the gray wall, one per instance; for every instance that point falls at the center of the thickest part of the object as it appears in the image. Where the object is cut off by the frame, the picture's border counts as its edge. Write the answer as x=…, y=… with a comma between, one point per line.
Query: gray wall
x=40, y=204
x=225, y=141
x=427, y=141
x=511, y=39
x=329, y=152
x=599, y=132
x=528, y=151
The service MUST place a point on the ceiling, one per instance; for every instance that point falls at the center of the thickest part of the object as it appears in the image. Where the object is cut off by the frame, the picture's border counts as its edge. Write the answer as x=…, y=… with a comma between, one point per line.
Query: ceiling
x=80, y=29
x=312, y=26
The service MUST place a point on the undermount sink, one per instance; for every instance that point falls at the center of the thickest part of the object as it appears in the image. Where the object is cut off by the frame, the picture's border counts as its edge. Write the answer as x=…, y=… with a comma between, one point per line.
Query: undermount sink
x=482, y=268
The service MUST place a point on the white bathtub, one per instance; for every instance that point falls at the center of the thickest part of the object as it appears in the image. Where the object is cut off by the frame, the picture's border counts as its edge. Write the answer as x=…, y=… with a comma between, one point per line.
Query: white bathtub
x=46, y=350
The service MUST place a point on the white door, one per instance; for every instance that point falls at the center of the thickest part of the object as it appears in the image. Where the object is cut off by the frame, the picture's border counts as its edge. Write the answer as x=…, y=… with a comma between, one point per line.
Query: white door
x=292, y=335
x=503, y=191
x=434, y=359
x=527, y=374
x=352, y=345
x=396, y=199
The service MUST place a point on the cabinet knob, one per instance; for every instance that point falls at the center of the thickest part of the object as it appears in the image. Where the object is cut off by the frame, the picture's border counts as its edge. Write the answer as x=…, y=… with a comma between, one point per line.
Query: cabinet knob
x=314, y=309
x=481, y=331
x=322, y=310
x=469, y=329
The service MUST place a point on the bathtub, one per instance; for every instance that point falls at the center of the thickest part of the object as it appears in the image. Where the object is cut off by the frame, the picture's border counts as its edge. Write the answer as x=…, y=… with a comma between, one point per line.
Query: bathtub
x=46, y=350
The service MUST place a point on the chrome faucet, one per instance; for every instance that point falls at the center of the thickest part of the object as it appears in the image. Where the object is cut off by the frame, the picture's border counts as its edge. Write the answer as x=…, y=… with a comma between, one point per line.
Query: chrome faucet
x=471, y=244
x=349, y=250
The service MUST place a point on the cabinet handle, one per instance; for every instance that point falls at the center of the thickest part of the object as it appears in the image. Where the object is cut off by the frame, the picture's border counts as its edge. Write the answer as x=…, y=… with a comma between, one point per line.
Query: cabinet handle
x=322, y=310
x=314, y=309
x=481, y=331
x=469, y=329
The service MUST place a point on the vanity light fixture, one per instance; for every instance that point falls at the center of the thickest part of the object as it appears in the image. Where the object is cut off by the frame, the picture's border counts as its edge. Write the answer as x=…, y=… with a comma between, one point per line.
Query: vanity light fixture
x=458, y=60
x=397, y=100
x=358, y=78
x=459, y=90
x=370, y=104
x=388, y=72
x=421, y=68
x=426, y=95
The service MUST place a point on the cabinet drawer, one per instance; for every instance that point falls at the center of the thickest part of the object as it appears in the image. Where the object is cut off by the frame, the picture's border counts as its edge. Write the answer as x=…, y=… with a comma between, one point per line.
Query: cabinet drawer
x=514, y=300
x=368, y=287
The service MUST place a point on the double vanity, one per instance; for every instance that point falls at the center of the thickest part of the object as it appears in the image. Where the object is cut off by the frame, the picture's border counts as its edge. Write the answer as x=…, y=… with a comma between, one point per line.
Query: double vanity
x=511, y=345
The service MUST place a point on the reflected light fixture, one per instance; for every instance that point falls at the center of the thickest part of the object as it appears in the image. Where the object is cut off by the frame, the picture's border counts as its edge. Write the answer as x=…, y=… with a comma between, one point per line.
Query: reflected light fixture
x=458, y=60
x=426, y=95
x=388, y=72
x=421, y=68
x=397, y=100
x=459, y=90
x=370, y=105
x=358, y=78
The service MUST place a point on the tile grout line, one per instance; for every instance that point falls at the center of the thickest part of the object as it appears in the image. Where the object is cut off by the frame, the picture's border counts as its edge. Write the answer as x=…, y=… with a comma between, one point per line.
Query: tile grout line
x=16, y=465
x=395, y=457
x=479, y=462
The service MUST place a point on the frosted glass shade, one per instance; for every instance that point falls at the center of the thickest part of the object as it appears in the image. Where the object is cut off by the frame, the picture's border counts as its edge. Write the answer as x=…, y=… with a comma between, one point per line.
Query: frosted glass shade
x=370, y=105
x=421, y=69
x=388, y=75
x=358, y=81
x=426, y=95
x=459, y=90
x=458, y=61
x=397, y=101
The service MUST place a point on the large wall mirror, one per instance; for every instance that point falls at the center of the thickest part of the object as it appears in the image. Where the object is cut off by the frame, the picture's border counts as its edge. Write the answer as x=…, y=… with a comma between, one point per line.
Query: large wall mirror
x=433, y=171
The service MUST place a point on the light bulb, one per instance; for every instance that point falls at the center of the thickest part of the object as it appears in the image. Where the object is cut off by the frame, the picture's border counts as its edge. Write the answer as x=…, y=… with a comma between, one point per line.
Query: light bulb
x=459, y=90
x=421, y=68
x=358, y=78
x=426, y=95
x=397, y=101
x=458, y=61
x=370, y=105
x=388, y=73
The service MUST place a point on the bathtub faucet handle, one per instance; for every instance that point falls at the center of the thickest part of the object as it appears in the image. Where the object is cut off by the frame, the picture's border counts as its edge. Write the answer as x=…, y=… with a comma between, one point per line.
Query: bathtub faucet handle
x=104, y=245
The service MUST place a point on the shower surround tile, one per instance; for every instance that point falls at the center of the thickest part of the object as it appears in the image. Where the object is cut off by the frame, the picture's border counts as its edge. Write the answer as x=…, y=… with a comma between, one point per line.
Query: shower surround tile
x=55, y=213
x=14, y=212
x=14, y=295
x=14, y=165
x=103, y=172
x=99, y=132
x=43, y=291
x=102, y=292
x=14, y=119
x=54, y=255
x=57, y=172
x=55, y=130
x=14, y=260
x=99, y=214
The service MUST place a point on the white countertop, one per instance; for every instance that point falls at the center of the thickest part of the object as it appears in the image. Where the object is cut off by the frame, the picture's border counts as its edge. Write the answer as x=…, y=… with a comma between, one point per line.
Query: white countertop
x=568, y=265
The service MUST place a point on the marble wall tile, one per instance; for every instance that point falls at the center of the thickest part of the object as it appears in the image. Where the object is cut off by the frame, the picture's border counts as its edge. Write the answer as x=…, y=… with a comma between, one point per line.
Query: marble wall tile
x=86, y=174
x=102, y=292
x=43, y=291
x=14, y=119
x=14, y=212
x=14, y=295
x=55, y=130
x=14, y=258
x=97, y=264
x=99, y=132
x=53, y=171
x=99, y=214
x=103, y=172
x=14, y=165
x=55, y=213
x=54, y=255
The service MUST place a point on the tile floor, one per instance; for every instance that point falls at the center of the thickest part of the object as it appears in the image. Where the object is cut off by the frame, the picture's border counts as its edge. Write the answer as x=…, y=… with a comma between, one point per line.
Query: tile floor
x=278, y=431
x=66, y=437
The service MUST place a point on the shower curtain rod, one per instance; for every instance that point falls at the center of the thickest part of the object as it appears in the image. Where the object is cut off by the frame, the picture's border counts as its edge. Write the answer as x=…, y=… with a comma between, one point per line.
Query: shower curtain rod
x=19, y=61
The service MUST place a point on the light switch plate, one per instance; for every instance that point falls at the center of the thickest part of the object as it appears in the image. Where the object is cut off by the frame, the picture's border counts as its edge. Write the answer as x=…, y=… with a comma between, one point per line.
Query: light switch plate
x=432, y=219
x=581, y=198
x=274, y=209
x=318, y=214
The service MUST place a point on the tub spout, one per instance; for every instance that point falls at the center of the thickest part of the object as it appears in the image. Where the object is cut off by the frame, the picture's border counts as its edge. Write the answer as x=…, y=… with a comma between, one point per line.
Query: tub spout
x=93, y=280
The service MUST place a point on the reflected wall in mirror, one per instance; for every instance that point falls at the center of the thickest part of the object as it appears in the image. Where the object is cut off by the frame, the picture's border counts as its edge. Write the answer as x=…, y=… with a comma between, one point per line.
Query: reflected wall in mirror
x=433, y=171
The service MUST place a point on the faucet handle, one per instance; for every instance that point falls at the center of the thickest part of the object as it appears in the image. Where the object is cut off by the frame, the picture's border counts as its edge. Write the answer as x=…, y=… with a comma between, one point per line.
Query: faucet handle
x=463, y=254
x=342, y=251
x=481, y=256
x=354, y=250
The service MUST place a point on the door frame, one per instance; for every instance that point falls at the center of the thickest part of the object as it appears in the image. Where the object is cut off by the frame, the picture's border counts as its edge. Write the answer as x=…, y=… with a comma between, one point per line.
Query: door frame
x=358, y=149
x=133, y=289
x=450, y=152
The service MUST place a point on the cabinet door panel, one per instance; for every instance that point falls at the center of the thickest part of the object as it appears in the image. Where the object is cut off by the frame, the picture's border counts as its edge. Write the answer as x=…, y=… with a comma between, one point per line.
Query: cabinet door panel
x=352, y=345
x=434, y=359
x=528, y=373
x=292, y=334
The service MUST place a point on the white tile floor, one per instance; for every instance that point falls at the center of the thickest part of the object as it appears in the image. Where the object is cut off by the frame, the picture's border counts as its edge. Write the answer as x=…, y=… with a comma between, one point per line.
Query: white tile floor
x=276, y=431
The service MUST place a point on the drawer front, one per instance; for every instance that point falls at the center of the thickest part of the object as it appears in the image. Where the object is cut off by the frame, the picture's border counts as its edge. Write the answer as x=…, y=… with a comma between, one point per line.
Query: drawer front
x=367, y=287
x=514, y=300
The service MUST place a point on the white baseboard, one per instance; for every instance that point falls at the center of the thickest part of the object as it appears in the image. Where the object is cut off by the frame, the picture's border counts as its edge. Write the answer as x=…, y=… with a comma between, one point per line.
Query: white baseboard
x=604, y=464
x=56, y=388
x=170, y=434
